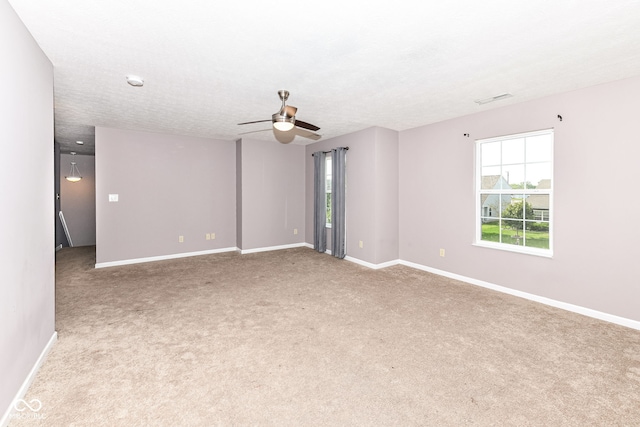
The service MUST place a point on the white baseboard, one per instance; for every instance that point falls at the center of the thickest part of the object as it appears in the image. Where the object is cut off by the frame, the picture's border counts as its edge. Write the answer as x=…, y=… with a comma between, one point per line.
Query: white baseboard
x=190, y=254
x=629, y=323
x=272, y=248
x=359, y=261
x=371, y=265
x=162, y=257
x=4, y=421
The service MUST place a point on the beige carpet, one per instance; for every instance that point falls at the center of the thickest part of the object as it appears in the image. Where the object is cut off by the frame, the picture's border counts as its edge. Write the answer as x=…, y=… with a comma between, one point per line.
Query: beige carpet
x=296, y=338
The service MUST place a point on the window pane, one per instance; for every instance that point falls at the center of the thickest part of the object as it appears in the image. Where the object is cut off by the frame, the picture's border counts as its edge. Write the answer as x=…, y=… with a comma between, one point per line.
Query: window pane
x=490, y=230
x=514, y=206
x=328, y=208
x=513, y=175
x=490, y=205
x=490, y=153
x=539, y=175
x=537, y=235
x=327, y=187
x=513, y=151
x=539, y=206
x=539, y=148
x=512, y=232
x=490, y=178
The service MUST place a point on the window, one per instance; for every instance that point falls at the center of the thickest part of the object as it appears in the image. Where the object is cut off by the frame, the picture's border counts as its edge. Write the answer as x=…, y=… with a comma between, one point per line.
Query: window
x=327, y=181
x=514, y=192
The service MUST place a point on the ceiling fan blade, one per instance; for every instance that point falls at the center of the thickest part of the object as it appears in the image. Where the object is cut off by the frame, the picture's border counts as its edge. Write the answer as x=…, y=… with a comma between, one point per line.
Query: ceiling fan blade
x=306, y=134
x=256, y=121
x=249, y=132
x=290, y=110
x=306, y=125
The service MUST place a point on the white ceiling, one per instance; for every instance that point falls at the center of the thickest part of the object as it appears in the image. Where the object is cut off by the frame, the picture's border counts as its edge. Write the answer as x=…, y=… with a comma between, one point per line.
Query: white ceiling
x=209, y=65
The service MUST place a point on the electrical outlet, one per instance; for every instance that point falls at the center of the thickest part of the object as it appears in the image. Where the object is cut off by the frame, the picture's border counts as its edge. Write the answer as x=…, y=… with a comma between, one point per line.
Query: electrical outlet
x=213, y=236
x=442, y=253
x=360, y=244
x=208, y=236
x=180, y=239
x=295, y=231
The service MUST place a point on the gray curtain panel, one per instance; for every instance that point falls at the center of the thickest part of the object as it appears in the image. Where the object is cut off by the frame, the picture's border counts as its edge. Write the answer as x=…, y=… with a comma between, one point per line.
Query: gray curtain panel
x=338, y=193
x=319, y=202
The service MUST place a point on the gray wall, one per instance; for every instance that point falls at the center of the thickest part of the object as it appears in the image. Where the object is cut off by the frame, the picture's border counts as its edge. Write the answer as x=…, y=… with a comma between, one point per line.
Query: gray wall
x=596, y=167
x=239, y=194
x=431, y=203
x=249, y=193
x=272, y=194
x=372, y=193
x=27, y=194
x=386, y=196
x=168, y=186
x=78, y=199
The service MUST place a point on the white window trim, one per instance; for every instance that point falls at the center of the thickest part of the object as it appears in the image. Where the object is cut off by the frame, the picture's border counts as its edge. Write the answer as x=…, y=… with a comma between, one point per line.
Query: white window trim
x=548, y=253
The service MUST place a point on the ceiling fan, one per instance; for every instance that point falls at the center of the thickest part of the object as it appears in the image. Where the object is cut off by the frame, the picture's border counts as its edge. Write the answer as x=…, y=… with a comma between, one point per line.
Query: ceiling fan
x=285, y=119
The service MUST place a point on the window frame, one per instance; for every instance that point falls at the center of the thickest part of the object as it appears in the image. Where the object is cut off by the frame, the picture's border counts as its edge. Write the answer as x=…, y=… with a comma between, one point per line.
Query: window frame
x=479, y=192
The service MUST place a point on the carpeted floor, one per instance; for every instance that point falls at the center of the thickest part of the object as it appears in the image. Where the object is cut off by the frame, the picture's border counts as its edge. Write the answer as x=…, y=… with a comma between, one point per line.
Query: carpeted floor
x=296, y=338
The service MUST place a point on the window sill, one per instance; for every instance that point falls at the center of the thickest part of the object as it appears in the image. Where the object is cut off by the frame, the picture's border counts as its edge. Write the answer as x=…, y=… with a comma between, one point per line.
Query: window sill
x=545, y=253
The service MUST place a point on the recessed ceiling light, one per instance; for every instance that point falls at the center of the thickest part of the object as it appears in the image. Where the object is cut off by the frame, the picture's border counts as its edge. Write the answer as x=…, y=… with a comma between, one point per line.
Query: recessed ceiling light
x=493, y=98
x=80, y=142
x=135, y=80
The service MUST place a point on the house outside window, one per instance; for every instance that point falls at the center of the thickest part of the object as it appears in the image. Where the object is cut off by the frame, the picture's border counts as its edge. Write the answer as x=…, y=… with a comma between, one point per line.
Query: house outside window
x=514, y=192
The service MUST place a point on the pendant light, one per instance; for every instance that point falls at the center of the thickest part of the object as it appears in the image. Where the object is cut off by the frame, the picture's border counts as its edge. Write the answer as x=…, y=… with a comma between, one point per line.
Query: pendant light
x=74, y=175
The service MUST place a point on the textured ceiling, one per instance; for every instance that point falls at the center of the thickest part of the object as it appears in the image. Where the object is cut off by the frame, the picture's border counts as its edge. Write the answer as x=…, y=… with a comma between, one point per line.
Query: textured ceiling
x=348, y=65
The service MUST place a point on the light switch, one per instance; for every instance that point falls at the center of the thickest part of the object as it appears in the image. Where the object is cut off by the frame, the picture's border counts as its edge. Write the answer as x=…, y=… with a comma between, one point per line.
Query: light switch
x=113, y=197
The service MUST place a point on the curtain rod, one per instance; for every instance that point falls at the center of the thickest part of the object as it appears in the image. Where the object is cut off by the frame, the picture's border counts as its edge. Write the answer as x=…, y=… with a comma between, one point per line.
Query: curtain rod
x=325, y=152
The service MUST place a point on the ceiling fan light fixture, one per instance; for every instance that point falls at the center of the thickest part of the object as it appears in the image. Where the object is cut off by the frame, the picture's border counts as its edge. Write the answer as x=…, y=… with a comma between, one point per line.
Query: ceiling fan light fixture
x=283, y=124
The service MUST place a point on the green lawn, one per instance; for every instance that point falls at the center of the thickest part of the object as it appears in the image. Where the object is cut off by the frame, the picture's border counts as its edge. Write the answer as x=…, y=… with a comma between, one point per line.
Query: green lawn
x=535, y=239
